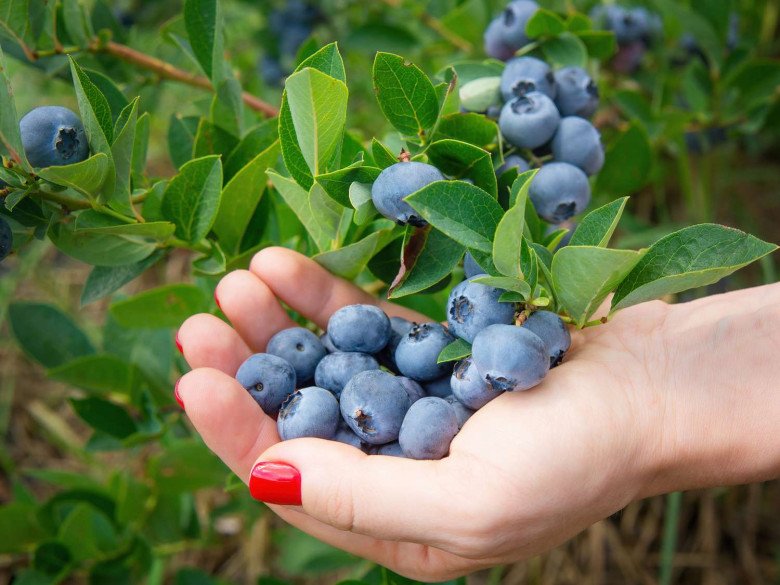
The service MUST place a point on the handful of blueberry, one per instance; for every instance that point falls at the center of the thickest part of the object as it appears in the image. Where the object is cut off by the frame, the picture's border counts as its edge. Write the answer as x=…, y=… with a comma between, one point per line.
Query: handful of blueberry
x=376, y=382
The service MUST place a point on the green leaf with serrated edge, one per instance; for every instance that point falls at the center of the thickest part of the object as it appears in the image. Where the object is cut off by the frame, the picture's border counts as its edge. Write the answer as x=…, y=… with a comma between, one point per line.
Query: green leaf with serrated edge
x=318, y=106
x=597, y=227
x=405, y=95
x=461, y=160
x=628, y=162
x=382, y=156
x=585, y=275
x=566, y=50
x=256, y=140
x=46, y=334
x=211, y=139
x=140, y=150
x=505, y=283
x=114, y=96
x=470, y=127
x=457, y=350
x=509, y=233
x=99, y=373
x=110, y=245
x=95, y=111
x=104, y=280
x=349, y=261
x=360, y=198
x=529, y=264
x=104, y=416
x=462, y=211
x=428, y=257
x=337, y=184
x=87, y=177
x=240, y=198
x=692, y=257
x=544, y=23
x=162, y=307
x=9, y=121
x=601, y=44
x=192, y=197
x=181, y=138
x=122, y=153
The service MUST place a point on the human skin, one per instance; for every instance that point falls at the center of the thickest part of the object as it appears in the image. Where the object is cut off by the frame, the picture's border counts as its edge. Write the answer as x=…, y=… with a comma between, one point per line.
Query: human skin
x=662, y=398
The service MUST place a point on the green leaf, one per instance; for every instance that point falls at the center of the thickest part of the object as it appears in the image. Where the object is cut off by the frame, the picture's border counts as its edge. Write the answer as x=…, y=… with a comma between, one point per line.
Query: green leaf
x=544, y=23
x=462, y=211
x=95, y=111
x=405, y=94
x=240, y=198
x=104, y=280
x=162, y=307
x=506, y=283
x=122, y=153
x=566, y=50
x=349, y=261
x=202, y=23
x=26, y=530
x=99, y=373
x=328, y=60
x=338, y=183
x=212, y=264
x=529, y=263
x=9, y=121
x=628, y=163
x=457, y=350
x=114, y=96
x=691, y=257
x=185, y=467
x=597, y=227
x=140, y=149
x=181, y=138
x=212, y=139
x=88, y=532
x=46, y=334
x=601, y=44
x=360, y=198
x=469, y=70
x=428, y=257
x=52, y=558
x=256, y=140
x=318, y=106
x=472, y=128
x=76, y=23
x=105, y=416
x=509, y=233
x=461, y=160
x=382, y=156
x=192, y=197
x=584, y=275
x=87, y=177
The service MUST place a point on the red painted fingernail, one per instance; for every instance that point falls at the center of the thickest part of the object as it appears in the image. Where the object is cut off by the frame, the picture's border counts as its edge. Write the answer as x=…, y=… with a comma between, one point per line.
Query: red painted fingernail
x=216, y=299
x=178, y=344
x=276, y=483
x=176, y=394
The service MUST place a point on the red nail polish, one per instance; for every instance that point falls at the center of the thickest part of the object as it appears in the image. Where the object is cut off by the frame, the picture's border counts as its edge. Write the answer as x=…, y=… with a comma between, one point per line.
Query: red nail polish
x=276, y=483
x=216, y=299
x=178, y=344
x=176, y=394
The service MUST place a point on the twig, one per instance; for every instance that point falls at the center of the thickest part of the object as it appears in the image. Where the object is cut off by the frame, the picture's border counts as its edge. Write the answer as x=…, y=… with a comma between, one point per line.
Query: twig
x=436, y=25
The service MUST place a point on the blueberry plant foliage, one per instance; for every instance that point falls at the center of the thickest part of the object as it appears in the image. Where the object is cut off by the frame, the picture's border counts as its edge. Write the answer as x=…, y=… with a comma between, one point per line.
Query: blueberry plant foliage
x=301, y=179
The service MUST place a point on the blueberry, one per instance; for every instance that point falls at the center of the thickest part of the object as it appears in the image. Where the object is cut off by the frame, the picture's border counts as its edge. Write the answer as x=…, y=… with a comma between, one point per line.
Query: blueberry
x=513, y=21
x=513, y=161
x=309, y=412
x=510, y=358
x=396, y=182
x=345, y=435
x=628, y=25
x=493, y=112
x=390, y=450
x=413, y=390
x=327, y=343
x=559, y=191
x=301, y=348
x=418, y=352
x=524, y=75
x=469, y=388
x=552, y=331
x=428, y=429
x=629, y=57
x=470, y=266
x=361, y=328
x=6, y=239
x=578, y=143
x=529, y=121
x=399, y=327
x=272, y=71
x=269, y=379
x=577, y=95
x=493, y=42
x=53, y=136
x=373, y=404
x=440, y=388
x=462, y=412
x=336, y=369
x=473, y=306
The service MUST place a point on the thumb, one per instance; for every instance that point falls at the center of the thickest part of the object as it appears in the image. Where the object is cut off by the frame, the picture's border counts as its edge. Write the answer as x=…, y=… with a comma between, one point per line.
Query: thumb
x=389, y=498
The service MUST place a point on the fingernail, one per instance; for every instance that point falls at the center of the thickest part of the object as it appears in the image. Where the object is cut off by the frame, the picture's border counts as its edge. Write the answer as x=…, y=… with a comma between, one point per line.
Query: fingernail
x=216, y=300
x=178, y=344
x=176, y=394
x=276, y=483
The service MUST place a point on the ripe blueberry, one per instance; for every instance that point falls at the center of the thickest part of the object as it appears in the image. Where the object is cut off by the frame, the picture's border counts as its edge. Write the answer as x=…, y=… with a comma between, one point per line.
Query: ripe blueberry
x=552, y=331
x=309, y=412
x=396, y=182
x=510, y=358
x=559, y=191
x=440, y=388
x=428, y=429
x=524, y=75
x=373, y=404
x=418, y=352
x=301, y=348
x=470, y=266
x=336, y=369
x=577, y=95
x=399, y=327
x=327, y=343
x=472, y=306
x=53, y=136
x=513, y=21
x=513, y=161
x=361, y=328
x=493, y=42
x=462, y=412
x=345, y=435
x=413, y=390
x=529, y=121
x=469, y=387
x=578, y=143
x=269, y=380
x=390, y=450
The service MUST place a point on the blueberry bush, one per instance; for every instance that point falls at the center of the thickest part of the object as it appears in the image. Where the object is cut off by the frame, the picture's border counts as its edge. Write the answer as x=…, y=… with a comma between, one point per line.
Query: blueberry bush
x=558, y=155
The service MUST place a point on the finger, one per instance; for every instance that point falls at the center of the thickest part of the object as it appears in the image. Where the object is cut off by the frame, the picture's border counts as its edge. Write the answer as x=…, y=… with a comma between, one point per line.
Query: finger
x=313, y=291
x=208, y=342
x=388, y=498
x=252, y=308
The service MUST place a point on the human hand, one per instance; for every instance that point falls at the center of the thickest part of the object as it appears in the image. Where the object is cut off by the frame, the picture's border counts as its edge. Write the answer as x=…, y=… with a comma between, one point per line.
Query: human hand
x=527, y=471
